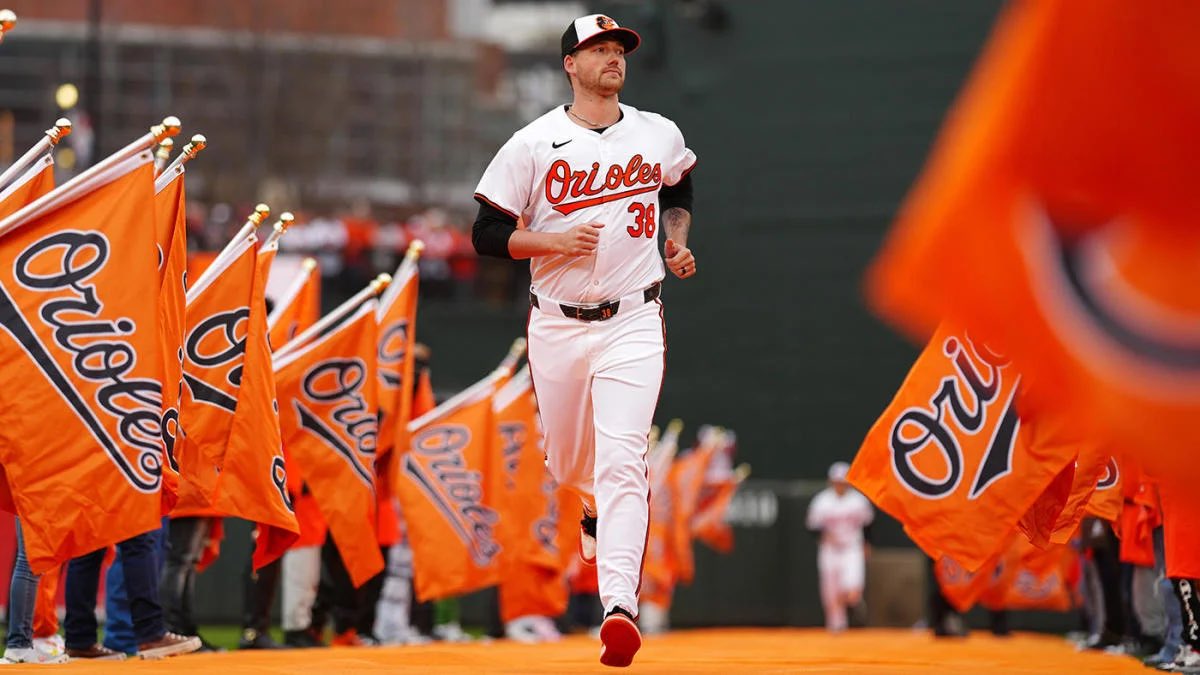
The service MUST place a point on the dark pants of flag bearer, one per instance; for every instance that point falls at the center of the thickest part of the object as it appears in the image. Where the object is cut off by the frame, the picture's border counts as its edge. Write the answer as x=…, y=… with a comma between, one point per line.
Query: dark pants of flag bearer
x=259, y=596
x=185, y=544
x=137, y=557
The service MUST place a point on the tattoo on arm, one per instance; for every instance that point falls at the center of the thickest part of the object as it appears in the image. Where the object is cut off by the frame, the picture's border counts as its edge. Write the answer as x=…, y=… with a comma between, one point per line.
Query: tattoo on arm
x=676, y=223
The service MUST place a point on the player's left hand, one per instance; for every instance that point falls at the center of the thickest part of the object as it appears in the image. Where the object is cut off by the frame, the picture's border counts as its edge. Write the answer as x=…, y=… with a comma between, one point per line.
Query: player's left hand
x=679, y=259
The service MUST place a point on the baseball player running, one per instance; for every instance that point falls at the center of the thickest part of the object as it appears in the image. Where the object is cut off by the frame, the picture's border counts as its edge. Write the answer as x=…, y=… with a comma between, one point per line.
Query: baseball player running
x=840, y=513
x=595, y=181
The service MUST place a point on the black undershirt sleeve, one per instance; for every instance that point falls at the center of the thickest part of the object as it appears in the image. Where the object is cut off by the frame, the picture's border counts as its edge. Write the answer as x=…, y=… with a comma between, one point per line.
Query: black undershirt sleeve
x=678, y=195
x=491, y=231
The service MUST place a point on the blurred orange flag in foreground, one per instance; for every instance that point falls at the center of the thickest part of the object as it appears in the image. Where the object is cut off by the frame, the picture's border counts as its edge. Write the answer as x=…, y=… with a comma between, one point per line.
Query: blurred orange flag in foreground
x=1057, y=215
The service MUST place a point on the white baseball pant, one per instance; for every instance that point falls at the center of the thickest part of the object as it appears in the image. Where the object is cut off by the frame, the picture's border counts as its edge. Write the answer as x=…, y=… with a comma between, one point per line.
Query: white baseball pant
x=597, y=386
x=841, y=570
x=301, y=576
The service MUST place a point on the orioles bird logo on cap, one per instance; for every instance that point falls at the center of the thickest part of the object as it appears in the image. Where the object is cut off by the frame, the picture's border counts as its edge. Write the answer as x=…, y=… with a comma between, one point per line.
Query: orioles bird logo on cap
x=605, y=23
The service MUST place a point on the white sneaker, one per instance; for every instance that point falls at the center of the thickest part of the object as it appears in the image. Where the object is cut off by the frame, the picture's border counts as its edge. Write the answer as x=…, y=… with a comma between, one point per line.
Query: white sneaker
x=1187, y=660
x=522, y=630
x=30, y=655
x=450, y=632
x=50, y=646
x=653, y=618
x=545, y=628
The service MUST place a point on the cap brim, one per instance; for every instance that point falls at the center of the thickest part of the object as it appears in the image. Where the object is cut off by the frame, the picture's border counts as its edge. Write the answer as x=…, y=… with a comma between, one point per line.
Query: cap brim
x=628, y=38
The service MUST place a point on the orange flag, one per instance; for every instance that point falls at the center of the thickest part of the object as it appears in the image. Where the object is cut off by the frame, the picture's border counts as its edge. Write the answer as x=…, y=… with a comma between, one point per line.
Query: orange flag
x=253, y=482
x=452, y=517
x=217, y=327
x=1106, y=499
x=81, y=436
x=659, y=569
x=533, y=578
x=1037, y=578
x=170, y=214
x=25, y=189
x=327, y=386
x=1181, y=529
x=1053, y=219
x=708, y=524
x=33, y=183
x=687, y=480
x=962, y=589
x=298, y=308
x=949, y=457
x=397, y=316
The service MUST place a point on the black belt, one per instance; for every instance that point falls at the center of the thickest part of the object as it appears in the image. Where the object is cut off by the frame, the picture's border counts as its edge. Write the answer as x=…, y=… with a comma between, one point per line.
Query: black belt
x=605, y=310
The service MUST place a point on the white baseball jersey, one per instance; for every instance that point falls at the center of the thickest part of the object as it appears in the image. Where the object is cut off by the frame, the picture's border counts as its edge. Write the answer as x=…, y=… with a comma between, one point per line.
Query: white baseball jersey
x=555, y=174
x=841, y=519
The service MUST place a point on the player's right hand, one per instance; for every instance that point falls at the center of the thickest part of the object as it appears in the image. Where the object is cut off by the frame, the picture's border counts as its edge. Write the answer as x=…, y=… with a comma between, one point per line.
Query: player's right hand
x=580, y=240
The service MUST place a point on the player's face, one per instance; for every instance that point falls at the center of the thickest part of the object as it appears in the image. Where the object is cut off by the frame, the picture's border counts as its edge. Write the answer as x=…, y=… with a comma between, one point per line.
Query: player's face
x=600, y=67
x=839, y=487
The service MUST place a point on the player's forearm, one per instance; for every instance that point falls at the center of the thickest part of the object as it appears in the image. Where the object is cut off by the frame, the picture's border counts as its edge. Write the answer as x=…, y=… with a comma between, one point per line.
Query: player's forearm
x=677, y=222
x=525, y=244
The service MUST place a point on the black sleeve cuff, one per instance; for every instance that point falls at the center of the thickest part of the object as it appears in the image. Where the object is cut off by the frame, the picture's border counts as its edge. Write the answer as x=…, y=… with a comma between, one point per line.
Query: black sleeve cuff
x=678, y=195
x=491, y=230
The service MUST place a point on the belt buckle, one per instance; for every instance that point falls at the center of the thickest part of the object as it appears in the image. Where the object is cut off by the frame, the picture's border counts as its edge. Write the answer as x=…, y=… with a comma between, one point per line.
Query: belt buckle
x=579, y=313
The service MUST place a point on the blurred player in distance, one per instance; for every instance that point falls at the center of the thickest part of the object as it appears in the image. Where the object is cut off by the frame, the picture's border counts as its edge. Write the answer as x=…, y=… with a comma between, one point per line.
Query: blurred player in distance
x=840, y=514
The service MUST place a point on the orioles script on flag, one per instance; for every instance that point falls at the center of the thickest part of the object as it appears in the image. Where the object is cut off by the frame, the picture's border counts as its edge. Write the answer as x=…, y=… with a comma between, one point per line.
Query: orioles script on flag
x=452, y=520
x=81, y=436
x=949, y=457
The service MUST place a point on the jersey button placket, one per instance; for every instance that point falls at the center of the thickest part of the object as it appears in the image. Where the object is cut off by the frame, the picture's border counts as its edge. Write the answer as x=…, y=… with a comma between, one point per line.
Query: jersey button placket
x=597, y=268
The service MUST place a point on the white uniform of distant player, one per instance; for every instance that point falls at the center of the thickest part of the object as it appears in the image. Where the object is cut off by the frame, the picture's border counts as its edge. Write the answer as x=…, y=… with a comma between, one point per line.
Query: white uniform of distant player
x=597, y=382
x=840, y=513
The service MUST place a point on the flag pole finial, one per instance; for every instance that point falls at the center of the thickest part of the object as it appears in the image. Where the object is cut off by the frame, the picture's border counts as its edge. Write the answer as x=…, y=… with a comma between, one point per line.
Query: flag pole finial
x=414, y=249
x=381, y=282
x=8, y=19
x=164, y=149
x=194, y=146
x=170, y=127
x=675, y=426
x=518, y=347
x=310, y=264
x=285, y=221
x=742, y=472
x=261, y=213
x=62, y=129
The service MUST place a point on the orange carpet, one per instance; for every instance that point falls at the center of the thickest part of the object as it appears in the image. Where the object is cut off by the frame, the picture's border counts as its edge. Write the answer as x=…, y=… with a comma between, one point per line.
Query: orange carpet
x=698, y=651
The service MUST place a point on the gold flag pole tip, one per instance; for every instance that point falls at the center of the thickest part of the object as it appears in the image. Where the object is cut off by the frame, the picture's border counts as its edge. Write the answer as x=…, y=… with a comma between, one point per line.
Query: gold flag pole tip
x=310, y=264
x=675, y=426
x=261, y=213
x=285, y=221
x=381, y=282
x=8, y=19
x=170, y=127
x=193, y=148
x=62, y=129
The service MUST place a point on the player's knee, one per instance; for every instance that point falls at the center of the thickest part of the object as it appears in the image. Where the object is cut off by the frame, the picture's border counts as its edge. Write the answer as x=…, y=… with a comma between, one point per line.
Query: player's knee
x=623, y=474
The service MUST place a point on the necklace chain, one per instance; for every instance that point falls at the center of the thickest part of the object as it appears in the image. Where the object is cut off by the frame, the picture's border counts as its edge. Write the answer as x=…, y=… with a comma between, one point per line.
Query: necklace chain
x=572, y=113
